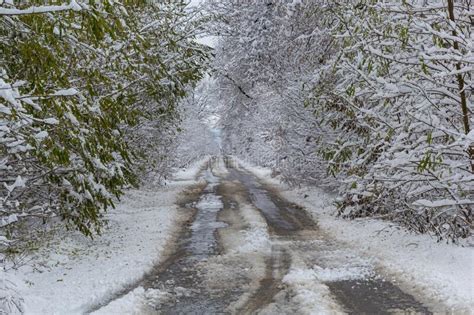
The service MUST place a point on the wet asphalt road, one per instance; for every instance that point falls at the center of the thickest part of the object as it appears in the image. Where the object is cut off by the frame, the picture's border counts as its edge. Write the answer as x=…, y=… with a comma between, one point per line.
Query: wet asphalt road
x=205, y=275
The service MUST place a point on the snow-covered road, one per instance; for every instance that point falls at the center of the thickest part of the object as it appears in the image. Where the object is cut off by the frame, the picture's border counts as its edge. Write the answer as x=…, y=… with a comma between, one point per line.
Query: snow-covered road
x=224, y=237
x=248, y=251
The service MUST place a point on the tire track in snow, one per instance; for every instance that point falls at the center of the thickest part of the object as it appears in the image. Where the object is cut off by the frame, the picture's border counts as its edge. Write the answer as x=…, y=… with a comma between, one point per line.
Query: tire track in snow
x=270, y=258
x=338, y=284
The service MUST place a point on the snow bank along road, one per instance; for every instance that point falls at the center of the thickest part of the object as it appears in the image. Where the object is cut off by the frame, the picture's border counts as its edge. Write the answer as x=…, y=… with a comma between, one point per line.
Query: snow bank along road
x=247, y=250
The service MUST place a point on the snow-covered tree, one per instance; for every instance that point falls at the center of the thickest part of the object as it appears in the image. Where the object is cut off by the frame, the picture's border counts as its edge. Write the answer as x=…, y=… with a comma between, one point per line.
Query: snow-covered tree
x=264, y=65
x=378, y=93
x=402, y=107
x=79, y=84
x=198, y=137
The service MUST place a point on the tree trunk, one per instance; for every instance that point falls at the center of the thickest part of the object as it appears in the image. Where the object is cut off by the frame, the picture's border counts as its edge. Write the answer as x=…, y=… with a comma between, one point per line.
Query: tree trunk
x=461, y=86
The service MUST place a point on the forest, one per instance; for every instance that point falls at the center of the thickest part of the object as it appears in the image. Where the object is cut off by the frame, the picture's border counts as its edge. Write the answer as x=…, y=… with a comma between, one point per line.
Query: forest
x=375, y=98
x=369, y=100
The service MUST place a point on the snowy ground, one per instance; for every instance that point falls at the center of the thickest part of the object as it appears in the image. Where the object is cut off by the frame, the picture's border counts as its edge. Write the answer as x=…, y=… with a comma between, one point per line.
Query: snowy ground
x=272, y=260
x=75, y=274
x=250, y=269
x=442, y=273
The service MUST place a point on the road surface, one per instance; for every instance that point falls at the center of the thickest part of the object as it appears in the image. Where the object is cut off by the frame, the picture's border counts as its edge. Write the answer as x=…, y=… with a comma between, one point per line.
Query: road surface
x=246, y=250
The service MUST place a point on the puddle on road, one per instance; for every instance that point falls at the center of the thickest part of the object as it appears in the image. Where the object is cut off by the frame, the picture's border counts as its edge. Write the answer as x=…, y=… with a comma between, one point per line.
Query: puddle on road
x=202, y=241
x=375, y=296
x=283, y=222
x=181, y=282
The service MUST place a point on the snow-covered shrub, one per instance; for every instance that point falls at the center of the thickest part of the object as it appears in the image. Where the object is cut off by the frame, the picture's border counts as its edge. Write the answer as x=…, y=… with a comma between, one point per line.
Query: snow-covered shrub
x=79, y=84
x=402, y=108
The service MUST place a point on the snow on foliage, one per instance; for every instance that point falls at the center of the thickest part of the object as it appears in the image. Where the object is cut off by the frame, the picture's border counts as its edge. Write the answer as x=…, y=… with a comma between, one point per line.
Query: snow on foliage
x=264, y=63
x=87, y=90
x=376, y=93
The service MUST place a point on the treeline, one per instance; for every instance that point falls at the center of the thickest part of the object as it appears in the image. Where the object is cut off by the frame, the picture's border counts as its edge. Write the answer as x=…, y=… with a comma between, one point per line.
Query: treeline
x=372, y=97
x=89, y=94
